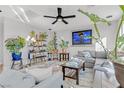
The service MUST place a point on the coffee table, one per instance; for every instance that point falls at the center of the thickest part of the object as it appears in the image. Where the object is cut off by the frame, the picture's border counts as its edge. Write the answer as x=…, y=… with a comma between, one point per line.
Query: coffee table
x=75, y=68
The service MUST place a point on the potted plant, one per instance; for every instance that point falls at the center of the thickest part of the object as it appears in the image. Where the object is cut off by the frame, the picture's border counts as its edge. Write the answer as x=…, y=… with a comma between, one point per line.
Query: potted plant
x=32, y=34
x=14, y=46
x=52, y=45
x=119, y=44
x=64, y=45
x=43, y=36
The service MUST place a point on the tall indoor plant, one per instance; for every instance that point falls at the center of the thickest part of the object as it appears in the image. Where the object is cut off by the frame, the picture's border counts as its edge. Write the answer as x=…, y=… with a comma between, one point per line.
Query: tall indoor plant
x=52, y=45
x=95, y=19
x=119, y=43
x=63, y=45
x=14, y=46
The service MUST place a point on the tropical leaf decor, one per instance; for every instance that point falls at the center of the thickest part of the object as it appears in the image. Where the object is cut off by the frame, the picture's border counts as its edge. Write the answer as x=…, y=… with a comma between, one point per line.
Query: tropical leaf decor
x=14, y=45
x=120, y=42
x=52, y=45
x=43, y=36
x=95, y=19
x=118, y=31
x=64, y=44
x=32, y=34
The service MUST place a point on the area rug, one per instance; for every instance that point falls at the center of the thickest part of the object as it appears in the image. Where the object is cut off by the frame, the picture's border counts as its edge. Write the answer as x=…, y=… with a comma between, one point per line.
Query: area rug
x=85, y=77
x=85, y=80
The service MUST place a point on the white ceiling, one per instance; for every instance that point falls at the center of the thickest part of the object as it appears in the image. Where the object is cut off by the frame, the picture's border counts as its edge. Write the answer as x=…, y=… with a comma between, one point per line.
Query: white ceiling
x=35, y=14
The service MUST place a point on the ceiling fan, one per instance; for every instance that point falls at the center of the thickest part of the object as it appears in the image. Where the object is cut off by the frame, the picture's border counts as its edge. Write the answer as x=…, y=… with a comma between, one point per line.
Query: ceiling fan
x=59, y=17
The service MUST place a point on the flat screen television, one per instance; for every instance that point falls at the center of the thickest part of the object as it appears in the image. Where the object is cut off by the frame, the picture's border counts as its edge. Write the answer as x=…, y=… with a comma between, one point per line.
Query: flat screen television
x=82, y=37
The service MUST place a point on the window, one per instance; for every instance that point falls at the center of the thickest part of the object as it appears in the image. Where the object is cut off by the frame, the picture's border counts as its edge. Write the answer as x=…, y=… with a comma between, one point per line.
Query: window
x=98, y=47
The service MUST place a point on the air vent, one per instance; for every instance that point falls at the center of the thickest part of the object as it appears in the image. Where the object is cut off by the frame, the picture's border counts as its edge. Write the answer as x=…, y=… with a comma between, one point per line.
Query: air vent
x=49, y=29
x=109, y=16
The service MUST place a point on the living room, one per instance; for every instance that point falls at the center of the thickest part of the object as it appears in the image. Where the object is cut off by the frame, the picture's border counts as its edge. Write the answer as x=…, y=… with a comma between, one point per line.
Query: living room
x=65, y=30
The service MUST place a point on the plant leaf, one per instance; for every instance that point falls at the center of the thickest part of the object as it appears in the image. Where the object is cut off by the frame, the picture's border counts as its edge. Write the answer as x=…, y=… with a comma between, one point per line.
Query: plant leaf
x=122, y=8
x=94, y=18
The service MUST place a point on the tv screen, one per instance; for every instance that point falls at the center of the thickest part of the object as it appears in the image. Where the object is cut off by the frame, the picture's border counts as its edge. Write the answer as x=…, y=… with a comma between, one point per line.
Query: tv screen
x=82, y=37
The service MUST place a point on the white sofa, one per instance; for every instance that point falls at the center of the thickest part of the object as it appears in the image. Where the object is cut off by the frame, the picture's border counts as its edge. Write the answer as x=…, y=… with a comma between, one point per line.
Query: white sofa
x=104, y=77
x=95, y=61
x=16, y=79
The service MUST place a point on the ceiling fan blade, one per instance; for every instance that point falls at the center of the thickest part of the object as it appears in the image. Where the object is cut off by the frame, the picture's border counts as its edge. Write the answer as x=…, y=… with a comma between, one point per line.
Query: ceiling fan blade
x=71, y=16
x=50, y=16
x=59, y=11
x=54, y=22
x=65, y=21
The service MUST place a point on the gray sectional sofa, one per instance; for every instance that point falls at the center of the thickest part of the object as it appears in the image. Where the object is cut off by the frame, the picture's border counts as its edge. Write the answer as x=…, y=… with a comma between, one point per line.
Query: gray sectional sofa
x=104, y=74
x=91, y=58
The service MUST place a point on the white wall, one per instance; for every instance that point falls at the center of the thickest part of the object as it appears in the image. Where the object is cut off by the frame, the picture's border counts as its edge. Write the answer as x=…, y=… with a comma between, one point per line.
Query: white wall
x=13, y=28
x=106, y=31
x=1, y=40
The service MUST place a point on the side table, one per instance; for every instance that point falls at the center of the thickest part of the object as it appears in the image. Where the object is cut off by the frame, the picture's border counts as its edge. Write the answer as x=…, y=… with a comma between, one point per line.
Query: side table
x=63, y=56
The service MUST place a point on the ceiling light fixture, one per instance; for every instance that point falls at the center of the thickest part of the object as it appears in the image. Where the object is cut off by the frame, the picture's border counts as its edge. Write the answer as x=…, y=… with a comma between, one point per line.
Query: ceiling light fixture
x=59, y=19
x=12, y=8
x=49, y=29
x=22, y=10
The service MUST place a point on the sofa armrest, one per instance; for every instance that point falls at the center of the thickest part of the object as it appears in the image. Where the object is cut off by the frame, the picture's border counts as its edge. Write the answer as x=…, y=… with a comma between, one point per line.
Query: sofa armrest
x=77, y=56
x=97, y=82
x=101, y=81
x=54, y=81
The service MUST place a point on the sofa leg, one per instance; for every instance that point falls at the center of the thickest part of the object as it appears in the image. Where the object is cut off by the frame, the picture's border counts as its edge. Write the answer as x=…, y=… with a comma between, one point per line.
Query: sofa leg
x=12, y=65
x=61, y=86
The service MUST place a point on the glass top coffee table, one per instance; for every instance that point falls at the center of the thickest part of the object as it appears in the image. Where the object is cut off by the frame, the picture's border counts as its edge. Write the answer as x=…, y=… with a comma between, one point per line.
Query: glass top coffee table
x=76, y=68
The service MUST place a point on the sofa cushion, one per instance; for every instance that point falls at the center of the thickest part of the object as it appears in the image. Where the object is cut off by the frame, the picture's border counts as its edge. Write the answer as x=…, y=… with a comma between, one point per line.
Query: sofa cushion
x=84, y=54
x=54, y=81
x=92, y=53
x=91, y=60
x=80, y=54
x=106, y=67
x=40, y=74
x=101, y=54
x=15, y=79
x=99, y=68
x=107, y=64
x=87, y=54
x=100, y=61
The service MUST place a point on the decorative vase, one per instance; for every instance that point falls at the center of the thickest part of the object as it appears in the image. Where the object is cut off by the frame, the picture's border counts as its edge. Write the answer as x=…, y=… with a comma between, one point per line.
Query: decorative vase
x=16, y=56
x=119, y=72
x=1, y=68
x=63, y=50
x=55, y=51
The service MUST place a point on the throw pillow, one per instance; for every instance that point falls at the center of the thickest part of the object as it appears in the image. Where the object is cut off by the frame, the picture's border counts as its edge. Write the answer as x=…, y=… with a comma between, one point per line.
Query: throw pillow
x=87, y=55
